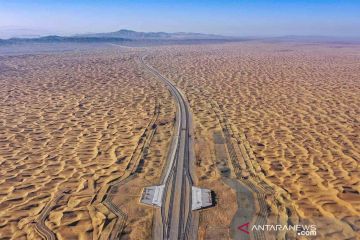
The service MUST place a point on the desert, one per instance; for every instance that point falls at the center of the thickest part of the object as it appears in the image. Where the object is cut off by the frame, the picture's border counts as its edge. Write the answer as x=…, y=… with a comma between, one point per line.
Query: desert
x=70, y=125
x=293, y=108
x=275, y=130
x=179, y=120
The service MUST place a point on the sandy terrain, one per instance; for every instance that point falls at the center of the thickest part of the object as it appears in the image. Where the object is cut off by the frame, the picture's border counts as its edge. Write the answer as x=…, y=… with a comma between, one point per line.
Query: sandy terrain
x=70, y=125
x=294, y=109
x=82, y=133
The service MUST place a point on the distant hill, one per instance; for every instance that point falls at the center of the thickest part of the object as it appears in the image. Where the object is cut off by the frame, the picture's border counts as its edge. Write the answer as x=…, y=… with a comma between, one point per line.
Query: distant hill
x=118, y=36
x=60, y=39
x=129, y=34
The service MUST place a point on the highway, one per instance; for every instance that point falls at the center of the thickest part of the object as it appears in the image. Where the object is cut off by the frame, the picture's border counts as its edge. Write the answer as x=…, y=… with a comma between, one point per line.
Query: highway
x=175, y=219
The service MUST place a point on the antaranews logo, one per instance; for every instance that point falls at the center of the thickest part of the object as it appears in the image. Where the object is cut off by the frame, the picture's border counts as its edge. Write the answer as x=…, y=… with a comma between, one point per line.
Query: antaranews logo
x=244, y=228
x=301, y=230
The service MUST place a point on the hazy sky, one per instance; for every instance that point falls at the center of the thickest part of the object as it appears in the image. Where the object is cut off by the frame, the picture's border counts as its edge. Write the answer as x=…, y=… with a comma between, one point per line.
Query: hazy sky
x=240, y=18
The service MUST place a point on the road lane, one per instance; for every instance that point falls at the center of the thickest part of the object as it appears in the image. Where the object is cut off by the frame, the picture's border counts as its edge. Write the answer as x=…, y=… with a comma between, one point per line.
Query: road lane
x=176, y=214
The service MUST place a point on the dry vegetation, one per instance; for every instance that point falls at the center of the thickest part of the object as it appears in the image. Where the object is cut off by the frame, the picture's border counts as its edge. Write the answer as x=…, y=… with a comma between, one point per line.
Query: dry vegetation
x=69, y=125
x=298, y=108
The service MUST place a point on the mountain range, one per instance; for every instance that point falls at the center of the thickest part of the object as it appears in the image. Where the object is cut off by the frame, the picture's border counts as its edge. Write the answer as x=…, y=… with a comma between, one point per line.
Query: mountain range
x=118, y=36
x=130, y=34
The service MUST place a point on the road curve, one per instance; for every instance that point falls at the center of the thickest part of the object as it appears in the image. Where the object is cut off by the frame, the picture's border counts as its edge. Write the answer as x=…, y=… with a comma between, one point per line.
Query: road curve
x=176, y=220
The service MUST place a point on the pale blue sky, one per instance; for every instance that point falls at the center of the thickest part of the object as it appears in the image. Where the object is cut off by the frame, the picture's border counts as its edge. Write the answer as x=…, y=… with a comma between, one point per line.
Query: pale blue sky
x=239, y=18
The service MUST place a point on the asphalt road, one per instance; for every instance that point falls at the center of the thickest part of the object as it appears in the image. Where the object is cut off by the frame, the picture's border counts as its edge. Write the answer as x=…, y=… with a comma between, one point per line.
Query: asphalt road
x=175, y=220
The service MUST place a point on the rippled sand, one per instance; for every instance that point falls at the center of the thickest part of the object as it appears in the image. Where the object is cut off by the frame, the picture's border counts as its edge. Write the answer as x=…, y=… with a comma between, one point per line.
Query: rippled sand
x=297, y=106
x=72, y=124
x=69, y=125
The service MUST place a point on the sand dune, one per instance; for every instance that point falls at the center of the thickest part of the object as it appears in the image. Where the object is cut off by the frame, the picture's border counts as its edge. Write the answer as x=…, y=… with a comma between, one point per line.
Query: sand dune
x=69, y=125
x=82, y=133
x=297, y=107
